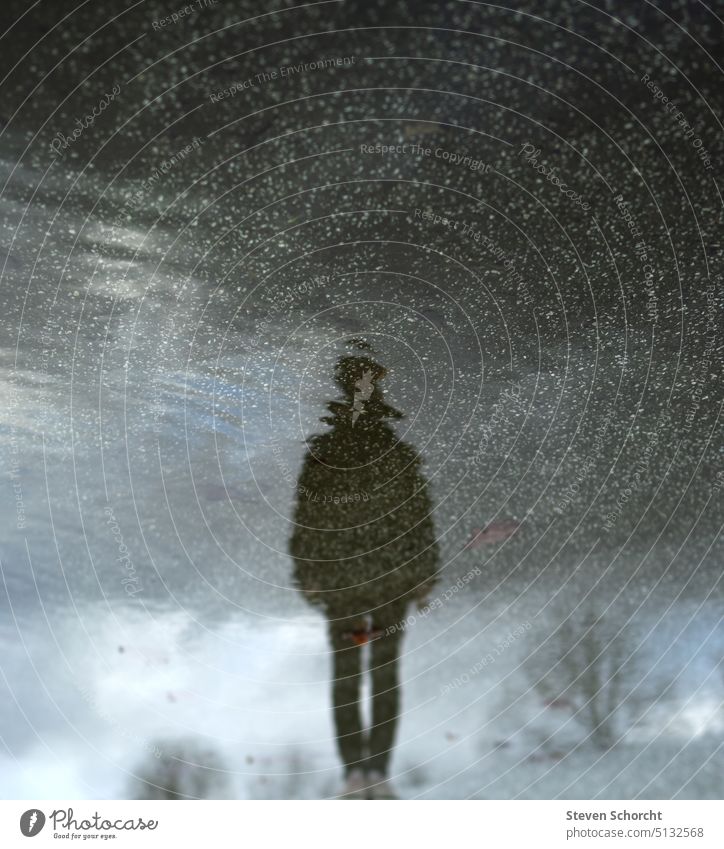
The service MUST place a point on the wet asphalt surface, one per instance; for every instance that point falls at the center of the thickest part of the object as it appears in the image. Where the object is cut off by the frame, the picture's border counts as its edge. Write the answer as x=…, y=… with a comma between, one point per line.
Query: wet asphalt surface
x=496, y=205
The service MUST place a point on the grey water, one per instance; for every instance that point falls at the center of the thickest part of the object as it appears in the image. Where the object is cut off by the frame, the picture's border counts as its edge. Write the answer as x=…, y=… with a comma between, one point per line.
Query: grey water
x=508, y=578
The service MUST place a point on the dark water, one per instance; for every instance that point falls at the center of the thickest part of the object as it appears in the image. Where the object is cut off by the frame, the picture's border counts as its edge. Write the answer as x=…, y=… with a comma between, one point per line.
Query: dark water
x=236, y=555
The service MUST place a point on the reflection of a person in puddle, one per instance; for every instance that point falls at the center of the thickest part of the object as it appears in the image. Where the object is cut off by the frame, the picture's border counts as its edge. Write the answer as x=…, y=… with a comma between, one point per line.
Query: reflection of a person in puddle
x=364, y=548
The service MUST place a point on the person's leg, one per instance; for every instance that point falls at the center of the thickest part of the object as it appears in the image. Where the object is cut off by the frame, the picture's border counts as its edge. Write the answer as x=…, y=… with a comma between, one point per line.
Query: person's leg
x=346, y=680
x=385, y=688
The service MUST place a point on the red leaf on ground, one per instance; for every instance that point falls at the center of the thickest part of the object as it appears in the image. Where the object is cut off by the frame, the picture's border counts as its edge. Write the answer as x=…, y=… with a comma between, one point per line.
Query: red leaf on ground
x=494, y=532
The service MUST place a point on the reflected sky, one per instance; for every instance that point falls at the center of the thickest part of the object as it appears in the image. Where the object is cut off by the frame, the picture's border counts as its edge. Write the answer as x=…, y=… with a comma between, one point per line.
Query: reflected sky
x=180, y=624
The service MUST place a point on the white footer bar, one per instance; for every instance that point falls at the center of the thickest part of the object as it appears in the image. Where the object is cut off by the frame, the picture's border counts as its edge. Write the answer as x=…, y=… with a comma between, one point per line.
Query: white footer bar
x=330, y=824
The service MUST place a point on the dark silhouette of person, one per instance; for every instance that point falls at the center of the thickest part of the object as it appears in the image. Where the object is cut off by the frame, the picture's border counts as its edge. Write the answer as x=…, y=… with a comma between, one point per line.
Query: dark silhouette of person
x=364, y=548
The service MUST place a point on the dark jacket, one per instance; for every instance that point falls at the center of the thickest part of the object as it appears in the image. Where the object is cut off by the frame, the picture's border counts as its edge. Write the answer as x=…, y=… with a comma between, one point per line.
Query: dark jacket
x=364, y=533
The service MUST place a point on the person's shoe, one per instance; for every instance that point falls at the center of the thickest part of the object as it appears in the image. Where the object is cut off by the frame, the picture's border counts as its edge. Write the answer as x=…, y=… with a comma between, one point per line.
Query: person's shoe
x=355, y=787
x=379, y=787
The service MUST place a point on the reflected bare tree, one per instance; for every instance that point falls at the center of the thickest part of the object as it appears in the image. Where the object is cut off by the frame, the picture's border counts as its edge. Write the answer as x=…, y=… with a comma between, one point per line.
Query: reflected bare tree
x=181, y=769
x=593, y=673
